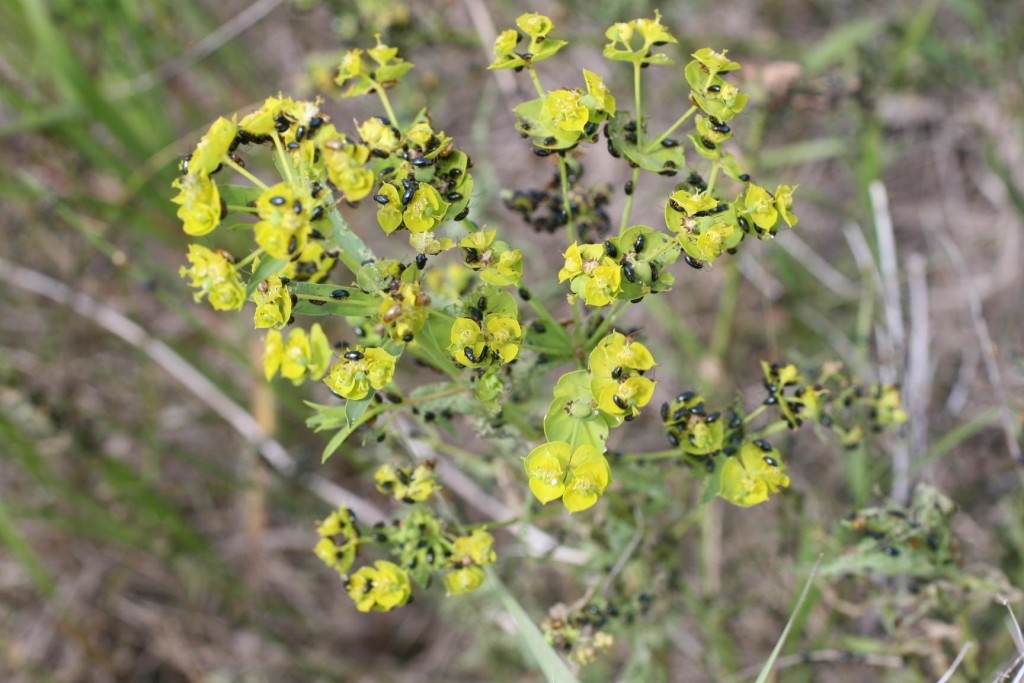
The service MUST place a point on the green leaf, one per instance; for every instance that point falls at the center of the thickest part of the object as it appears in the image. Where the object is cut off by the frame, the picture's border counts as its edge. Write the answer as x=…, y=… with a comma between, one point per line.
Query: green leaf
x=266, y=268
x=352, y=415
x=357, y=303
x=661, y=159
x=573, y=415
x=551, y=665
x=238, y=195
x=530, y=122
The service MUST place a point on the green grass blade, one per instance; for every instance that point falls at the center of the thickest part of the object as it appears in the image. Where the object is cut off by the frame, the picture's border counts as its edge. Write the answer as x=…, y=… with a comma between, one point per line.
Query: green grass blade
x=550, y=663
x=767, y=669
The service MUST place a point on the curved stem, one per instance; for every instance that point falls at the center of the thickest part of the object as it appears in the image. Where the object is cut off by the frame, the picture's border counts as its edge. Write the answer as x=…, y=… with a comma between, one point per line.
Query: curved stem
x=245, y=173
x=536, y=82
x=283, y=158
x=671, y=129
x=386, y=103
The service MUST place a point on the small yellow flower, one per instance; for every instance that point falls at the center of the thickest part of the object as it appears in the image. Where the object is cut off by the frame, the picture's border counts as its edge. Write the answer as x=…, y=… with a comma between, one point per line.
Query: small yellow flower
x=426, y=209
x=199, y=203
x=504, y=335
x=215, y=278
x=378, y=135
x=380, y=588
x=475, y=548
x=760, y=206
x=212, y=150
x=273, y=304
x=546, y=468
x=463, y=580
x=346, y=167
x=749, y=476
x=563, y=110
x=784, y=203
x=362, y=368
x=588, y=478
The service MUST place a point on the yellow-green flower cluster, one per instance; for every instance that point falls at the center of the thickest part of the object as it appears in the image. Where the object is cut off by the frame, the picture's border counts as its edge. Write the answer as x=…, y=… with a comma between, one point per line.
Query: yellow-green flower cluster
x=404, y=311
x=212, y=149
x=380, y=588
x=284, y=215
x=478, y=344
x=493, y=259
x=361, y=369
x=764, y=209
x=578, y=477
x=469, y=555
x=701, y=230
x=302, y=356
x=360, y=76
x=592, y=274
x=508, y=54
x=716, y=96
x=339, y=540
x=345, y=162
x=214, y=276
x=634, y=41
x=405, y=485
x=753, y=473
x=312, y=265
x=200, y=206
x=273, y=304
x=617, y=366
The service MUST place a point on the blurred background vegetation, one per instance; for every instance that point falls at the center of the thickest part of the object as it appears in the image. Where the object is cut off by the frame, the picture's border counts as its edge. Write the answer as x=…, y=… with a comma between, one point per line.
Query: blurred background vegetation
x=143, y=539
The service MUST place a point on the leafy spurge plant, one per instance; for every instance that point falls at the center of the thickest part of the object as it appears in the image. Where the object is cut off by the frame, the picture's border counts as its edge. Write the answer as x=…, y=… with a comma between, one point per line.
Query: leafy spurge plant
x=448, y=299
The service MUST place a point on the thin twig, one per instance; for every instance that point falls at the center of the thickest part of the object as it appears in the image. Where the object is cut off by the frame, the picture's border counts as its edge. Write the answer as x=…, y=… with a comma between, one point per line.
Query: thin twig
x=917, y=377
x=538, y=542
x=817, y=266
x=627, y=552
x=226, y=32
x=889, y=267
x=821, y=657
x=995, y=377
x=956, y=663
x=484, y=26
x=180, y=369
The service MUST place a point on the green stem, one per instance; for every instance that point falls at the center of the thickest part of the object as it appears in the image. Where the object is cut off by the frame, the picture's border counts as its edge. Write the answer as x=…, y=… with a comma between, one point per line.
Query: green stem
x=249, y=259
x=242, y=209
x=753, y=414
x=617, y=309
x=722, y=333
x=629, y=201
x=243, y=172
x=714, y=176
x=637, y=102
x=386, y=103
x=283, y=158
x=563, y=173
x=654, y=455
x=680, y=121
x=536, y=82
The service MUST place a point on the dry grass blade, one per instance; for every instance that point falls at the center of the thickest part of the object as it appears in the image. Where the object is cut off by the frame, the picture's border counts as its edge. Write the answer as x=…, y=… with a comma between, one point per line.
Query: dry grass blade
x=240, y=419
x=956, y=663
